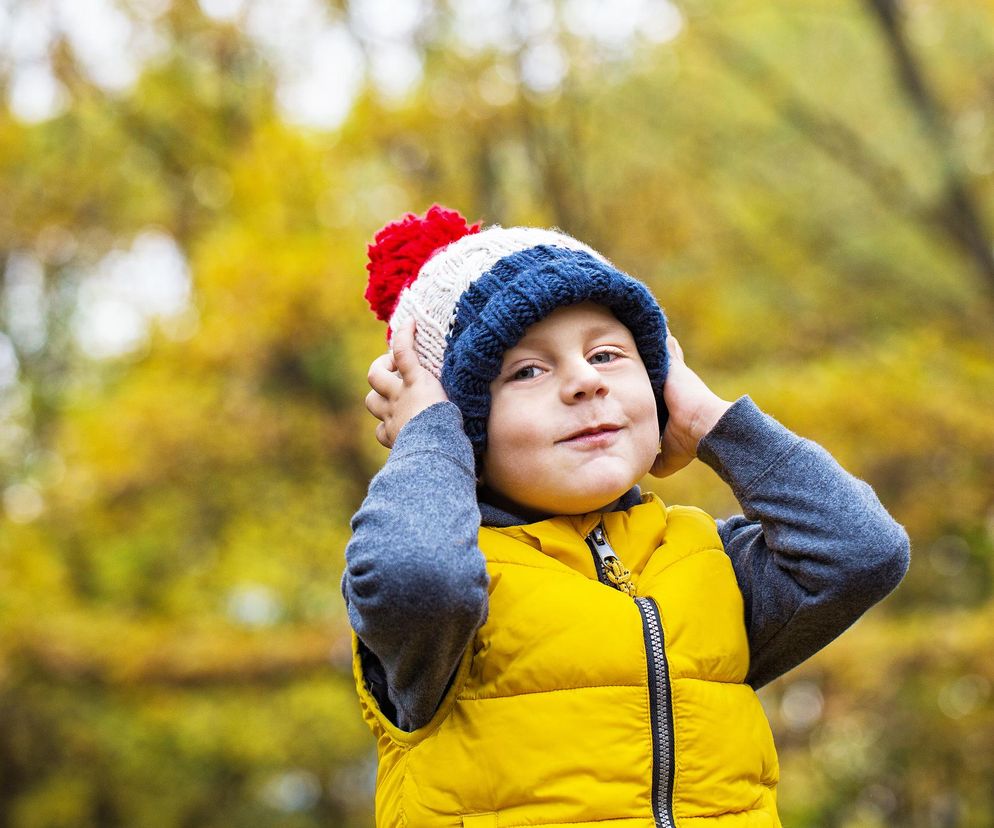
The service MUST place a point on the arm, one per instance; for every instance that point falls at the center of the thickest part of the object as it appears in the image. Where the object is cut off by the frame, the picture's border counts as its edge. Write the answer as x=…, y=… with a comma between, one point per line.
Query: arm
x=415, y=581
x=814, y=548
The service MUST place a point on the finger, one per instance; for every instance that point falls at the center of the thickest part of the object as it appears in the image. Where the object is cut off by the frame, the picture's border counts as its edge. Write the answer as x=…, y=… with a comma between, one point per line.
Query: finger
x=377, y=405
x=381, y=435
x=666, y=463
x=659, y=465
x=383, y=363
x=664, y=467
x=673, y=346
x=402, y=346
x=382, y=378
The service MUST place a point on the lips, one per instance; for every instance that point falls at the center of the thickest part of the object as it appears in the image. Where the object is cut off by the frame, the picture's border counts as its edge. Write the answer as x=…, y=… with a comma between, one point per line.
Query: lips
x=592, y=434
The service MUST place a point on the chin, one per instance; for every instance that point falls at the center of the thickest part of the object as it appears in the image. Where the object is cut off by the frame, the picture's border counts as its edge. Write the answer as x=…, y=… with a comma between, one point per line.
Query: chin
x=604, y=489
x=580, y=492
x=592, y=499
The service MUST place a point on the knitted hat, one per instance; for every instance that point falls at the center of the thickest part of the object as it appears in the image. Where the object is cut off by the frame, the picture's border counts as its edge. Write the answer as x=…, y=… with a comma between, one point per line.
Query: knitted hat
x=473, y=293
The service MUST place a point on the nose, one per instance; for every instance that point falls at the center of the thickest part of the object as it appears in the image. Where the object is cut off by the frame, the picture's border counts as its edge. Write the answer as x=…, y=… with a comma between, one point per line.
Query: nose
x=582, y=381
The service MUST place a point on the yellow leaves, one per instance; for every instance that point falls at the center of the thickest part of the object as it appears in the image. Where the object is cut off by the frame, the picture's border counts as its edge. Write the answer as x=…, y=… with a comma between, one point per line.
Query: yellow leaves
x=908, y=413
x=55, y=801
x=261, y=293
x=174, y=646
x=121, y=651
x=895, y=689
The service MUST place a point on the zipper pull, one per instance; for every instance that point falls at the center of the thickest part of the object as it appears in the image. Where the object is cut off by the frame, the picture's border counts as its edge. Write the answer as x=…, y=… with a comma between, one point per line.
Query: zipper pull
x=615, y=570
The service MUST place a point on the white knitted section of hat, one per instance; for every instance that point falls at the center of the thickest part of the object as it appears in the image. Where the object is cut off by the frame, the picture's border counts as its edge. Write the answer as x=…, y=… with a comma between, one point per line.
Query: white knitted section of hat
x=432, y=298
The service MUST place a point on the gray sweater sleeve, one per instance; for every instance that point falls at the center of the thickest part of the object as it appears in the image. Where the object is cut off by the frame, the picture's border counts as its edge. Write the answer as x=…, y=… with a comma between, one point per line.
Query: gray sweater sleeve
x=415, y=581
x=814, y=548
x=812, y=552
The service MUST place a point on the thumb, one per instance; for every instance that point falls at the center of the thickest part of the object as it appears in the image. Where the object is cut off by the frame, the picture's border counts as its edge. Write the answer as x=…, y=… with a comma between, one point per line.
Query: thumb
x=402, y=345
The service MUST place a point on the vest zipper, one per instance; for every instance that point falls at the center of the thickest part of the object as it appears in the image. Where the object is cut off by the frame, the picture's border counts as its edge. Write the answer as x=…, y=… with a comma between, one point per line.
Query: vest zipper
x=611, y=571
x=661, y=713
x=595, y=553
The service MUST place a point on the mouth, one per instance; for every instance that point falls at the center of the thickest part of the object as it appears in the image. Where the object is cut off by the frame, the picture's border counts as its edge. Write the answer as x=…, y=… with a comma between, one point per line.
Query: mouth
x=592, y=435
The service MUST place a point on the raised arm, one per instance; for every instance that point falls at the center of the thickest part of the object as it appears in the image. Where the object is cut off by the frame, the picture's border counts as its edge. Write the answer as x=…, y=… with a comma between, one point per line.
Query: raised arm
x=814, y=547
x=415, y=581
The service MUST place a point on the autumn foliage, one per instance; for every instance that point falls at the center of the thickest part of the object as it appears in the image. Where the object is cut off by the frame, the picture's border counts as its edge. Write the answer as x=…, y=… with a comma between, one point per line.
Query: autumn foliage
x=808, y=188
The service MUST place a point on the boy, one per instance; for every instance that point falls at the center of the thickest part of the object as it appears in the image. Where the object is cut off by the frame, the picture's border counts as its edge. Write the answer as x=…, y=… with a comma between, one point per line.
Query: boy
x=536, y=642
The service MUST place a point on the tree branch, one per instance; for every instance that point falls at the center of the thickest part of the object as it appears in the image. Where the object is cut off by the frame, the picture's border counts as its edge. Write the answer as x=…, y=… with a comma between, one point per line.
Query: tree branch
x=952, y=221
x=958, y=213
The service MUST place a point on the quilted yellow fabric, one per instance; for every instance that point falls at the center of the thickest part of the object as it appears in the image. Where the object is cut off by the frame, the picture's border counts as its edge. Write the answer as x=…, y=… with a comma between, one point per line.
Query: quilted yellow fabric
x=566, y=710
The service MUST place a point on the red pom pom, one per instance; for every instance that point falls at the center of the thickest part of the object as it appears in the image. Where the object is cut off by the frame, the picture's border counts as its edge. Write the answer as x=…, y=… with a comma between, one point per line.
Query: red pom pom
x=402, y=247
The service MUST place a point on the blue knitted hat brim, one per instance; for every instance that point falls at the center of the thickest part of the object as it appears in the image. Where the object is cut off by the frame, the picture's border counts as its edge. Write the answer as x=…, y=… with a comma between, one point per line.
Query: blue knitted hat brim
x=521, y=289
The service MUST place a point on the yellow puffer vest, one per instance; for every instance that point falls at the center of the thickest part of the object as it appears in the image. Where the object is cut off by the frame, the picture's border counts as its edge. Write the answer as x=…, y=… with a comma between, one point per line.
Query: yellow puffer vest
x=578, y=703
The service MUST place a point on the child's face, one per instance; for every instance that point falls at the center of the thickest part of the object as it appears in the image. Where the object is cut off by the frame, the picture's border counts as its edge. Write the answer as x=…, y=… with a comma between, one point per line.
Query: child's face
x=573, y=418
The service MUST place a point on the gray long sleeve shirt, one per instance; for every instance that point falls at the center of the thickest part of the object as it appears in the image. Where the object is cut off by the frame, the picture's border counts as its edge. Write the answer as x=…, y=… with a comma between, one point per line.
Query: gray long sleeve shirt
x=812, y=551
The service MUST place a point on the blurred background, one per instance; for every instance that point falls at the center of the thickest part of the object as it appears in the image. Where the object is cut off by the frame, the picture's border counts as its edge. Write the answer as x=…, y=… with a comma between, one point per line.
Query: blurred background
x=186, y=192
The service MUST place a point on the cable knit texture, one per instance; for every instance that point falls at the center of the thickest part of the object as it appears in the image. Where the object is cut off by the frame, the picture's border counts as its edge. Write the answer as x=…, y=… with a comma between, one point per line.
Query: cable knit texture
x=476, y=296
x=524, y=288
x=432, y=297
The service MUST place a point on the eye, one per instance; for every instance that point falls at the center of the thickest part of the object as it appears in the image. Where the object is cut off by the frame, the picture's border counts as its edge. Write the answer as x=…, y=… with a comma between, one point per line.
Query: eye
x=603, y=357
x=527, y=372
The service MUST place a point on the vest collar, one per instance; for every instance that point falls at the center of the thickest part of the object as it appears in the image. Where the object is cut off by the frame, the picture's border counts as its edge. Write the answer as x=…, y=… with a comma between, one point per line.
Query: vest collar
x=634, y=533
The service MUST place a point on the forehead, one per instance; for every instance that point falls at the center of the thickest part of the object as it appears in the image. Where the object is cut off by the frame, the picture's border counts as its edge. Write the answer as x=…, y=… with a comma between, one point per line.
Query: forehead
x=586, y=319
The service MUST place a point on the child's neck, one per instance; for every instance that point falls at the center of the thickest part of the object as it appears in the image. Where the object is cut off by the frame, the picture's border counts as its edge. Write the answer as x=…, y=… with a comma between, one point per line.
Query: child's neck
x=499, y=501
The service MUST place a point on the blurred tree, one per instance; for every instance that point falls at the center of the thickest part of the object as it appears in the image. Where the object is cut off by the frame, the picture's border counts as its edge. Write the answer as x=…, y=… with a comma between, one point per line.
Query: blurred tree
x=176, y=497
x=959, y=214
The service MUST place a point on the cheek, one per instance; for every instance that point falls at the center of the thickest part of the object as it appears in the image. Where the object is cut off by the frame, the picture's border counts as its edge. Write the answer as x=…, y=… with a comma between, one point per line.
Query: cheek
x=648, y=430
x=508, y=435
x=651, y=437
x=509, y=440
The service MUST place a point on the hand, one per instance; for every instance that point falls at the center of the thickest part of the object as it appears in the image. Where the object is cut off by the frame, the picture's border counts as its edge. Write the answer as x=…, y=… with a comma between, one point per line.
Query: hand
x=693, y=411
x=402, y=388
